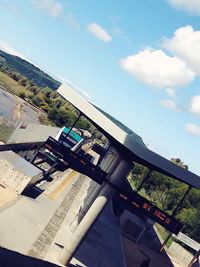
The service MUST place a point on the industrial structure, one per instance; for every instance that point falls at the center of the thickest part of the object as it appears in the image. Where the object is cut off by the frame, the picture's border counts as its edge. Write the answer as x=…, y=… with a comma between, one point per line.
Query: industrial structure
x=110, y=172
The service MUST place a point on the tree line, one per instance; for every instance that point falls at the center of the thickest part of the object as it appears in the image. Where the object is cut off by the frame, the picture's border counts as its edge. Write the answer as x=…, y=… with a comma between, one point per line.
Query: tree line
x=59, y=112
x=167, y=193
x=29, y=70
x=163, y=190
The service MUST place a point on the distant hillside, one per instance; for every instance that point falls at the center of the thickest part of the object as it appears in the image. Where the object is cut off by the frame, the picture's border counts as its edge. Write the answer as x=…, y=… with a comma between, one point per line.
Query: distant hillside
x=42, y=79
x=28, y=70
x=136, y=137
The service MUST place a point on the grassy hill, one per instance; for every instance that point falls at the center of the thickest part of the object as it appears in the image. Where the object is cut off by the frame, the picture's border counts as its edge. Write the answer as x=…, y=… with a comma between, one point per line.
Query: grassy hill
x=42, y=79
x=28, y=70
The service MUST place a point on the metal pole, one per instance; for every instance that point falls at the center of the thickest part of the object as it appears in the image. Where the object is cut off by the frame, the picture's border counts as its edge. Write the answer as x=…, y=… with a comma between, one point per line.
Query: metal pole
x=95, y=210
x=113, y=163
x=165, y=242
x=173, y=214
x=80, y=114
x=145, y=179
x=194, y=258
x=181, y=201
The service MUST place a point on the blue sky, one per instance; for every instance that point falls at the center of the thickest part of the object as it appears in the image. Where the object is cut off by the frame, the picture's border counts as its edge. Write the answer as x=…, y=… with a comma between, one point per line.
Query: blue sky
x=138, y=60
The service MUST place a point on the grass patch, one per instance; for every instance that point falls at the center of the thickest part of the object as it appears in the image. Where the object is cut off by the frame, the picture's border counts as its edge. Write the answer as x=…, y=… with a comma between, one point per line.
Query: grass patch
x=10, y=85
x=6, y=129
x=164, y=234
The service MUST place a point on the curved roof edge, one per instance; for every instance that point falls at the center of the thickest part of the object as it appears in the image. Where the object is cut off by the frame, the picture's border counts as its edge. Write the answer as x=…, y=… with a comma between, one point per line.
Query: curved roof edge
x=124, y=141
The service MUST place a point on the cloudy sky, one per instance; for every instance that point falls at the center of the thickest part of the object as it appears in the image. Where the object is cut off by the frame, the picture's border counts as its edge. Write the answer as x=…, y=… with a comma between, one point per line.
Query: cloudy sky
x=137, y=60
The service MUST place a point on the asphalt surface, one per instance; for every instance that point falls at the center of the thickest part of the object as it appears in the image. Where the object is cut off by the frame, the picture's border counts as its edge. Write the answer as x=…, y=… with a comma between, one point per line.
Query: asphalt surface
x=14, y=108
x=9, y=258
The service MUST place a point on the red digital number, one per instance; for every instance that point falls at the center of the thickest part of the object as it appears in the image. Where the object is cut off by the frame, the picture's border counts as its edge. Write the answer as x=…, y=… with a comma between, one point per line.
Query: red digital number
x=160, y=215
x=123, y=196
x=146, y=206
x=168, y=220
x=135, y=204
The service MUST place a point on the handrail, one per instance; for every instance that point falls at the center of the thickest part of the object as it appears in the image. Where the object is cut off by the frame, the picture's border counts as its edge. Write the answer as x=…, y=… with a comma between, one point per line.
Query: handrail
x=21, y=146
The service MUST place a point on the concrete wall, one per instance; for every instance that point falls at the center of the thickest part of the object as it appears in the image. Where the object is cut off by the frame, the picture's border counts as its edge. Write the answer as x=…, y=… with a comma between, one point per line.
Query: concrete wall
x=132, y=226
x=140, y=230
x=30, y=132
x=16, y=173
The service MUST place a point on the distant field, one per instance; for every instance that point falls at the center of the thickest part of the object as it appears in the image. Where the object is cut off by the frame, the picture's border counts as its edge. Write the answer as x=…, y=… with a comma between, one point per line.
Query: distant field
x=9, y=84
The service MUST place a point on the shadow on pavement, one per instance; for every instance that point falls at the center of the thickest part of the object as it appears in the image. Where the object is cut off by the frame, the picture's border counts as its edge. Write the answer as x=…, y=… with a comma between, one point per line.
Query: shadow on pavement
x=32, y=192
x=9, y=258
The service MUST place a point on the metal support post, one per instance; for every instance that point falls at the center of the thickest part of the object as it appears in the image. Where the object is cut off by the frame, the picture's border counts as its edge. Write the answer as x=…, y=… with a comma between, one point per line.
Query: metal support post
x=113, y=159
x=173, y=214
x=50, y=170
x=181, y=201
x=34, y=156
x=80, y=114
x=95, y=210
x=145, y=179
x=165, y=242
x=194, y=259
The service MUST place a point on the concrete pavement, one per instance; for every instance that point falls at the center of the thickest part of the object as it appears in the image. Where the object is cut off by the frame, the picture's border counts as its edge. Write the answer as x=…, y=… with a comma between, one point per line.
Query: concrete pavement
x=102, y=246
x=24, y=219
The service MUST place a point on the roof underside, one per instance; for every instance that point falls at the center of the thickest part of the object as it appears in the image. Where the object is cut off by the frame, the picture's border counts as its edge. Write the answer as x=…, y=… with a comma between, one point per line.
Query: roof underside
x=127, y=146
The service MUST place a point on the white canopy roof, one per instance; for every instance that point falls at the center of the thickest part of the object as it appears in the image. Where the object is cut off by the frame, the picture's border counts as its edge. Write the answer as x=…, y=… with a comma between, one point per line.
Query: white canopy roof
x=125, y=143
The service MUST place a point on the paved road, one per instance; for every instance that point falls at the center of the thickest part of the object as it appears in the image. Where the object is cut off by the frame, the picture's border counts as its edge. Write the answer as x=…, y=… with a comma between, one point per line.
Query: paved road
x=14, y=108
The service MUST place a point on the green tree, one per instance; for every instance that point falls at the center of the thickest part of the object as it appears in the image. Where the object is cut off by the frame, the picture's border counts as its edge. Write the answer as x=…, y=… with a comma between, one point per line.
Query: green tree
x=61, y=117
x=23, y=81
x=22, y=94
x=83, y=124
x=180, y=163
x=44, y=106
x=15, y=76
x=34, y=89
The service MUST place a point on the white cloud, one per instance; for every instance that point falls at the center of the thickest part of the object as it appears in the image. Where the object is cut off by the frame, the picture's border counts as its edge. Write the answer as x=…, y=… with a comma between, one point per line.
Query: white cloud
x=99, y=32
x=8, y=49
x=170, y=104
x=193, y=129
x=185, y=44
x=191, y=6
x=195, y=105
x=52, y=7
x=72, y=21
x=157, y=69
x=170, y=92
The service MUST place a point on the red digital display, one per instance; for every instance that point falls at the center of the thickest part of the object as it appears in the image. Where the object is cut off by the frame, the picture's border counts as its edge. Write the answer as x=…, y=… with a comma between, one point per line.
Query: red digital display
x=134, y=201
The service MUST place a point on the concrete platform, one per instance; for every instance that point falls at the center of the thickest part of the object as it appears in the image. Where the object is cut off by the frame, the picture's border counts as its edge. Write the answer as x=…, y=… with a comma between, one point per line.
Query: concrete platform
x=16, y=173
x=7, y=196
